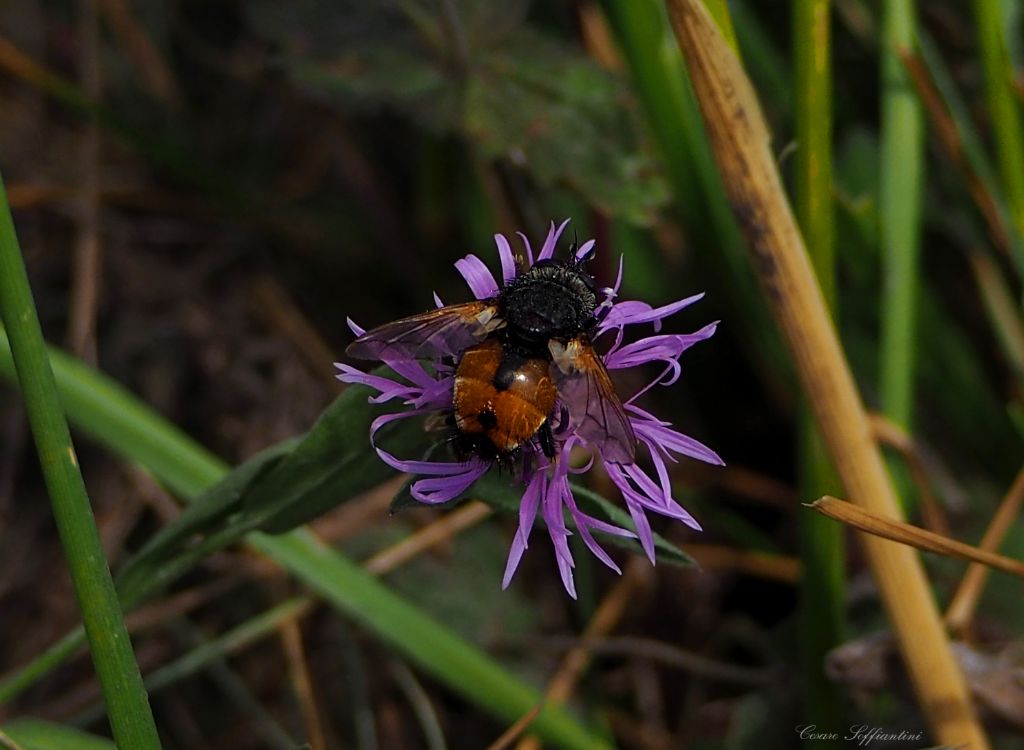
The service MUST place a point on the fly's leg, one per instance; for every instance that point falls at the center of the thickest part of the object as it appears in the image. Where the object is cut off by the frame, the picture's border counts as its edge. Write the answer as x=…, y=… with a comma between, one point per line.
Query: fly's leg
x=547, y=439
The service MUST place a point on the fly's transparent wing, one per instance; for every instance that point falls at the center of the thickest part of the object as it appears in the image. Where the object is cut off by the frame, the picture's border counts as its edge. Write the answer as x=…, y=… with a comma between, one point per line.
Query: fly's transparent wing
x=595, y=410
x=445, y=331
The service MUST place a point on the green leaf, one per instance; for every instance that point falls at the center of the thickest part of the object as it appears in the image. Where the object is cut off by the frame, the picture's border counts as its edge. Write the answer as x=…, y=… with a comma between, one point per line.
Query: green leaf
x=334, y=462
x=35, y=734
x=566, y=121
x=147, y=572
x=275, y=491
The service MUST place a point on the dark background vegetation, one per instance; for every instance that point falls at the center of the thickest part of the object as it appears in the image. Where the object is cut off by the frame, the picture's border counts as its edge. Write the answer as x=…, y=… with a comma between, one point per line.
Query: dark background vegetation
x=266, y=169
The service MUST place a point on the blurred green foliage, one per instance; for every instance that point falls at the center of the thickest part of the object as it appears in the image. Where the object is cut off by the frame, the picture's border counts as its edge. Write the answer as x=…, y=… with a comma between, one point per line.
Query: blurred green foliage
x=513, y=91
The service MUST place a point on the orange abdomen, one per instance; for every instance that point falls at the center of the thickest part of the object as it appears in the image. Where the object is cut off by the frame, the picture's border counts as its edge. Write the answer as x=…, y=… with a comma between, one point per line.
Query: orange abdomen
x=507, y=404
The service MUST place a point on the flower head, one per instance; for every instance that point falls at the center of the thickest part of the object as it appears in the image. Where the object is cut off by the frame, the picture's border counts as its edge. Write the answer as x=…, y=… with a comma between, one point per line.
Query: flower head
x=643, y=481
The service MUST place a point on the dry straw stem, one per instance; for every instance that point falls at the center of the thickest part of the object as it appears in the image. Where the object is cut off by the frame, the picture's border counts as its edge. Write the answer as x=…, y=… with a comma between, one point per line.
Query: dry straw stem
x=513, y=733
x=740, y=142
x=1002, y=308
x=914, y=536
x=961, y=608
x=290, y=633
x=889, y=433
x=780, y=568
x=951, y=144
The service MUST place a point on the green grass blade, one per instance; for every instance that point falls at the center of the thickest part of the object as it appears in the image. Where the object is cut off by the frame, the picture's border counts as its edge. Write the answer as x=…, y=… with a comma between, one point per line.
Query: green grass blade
x=34, y=734
x=127, y=704
x=115, y=418
x=822, y=549
x=22, y=679
x=900, y=191
x=250, y=631
x=1003, y=106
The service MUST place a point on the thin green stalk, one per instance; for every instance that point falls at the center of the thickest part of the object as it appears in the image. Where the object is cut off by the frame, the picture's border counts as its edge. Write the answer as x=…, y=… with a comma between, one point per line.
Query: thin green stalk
x=1003, y=312
x=822, y=549
x=22, y=679
x=813, y=156
x=128, y=427
x=131, y=719
x=34, y=734
x=902, y=154
x=1004, y=109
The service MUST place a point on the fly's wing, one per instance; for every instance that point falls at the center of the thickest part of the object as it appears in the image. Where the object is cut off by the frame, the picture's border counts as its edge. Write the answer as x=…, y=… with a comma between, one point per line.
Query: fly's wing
x=445, y=331
x=440, y=332
x=595, y=410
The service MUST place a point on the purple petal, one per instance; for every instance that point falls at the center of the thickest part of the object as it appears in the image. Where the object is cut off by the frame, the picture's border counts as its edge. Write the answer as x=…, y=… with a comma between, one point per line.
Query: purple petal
x=551, y=240
x=551, y=508
x=508, y=260
x=660, y=434
x=665, y=348
x=648, y=495
x=648, y=486
x=413, y=371
x=635, y=504
x=610, y=293
x=584, y=249
x=477, y=276
x=585, y=523
x=437, y=396
x=633, y=312
x=618, y=277
x=357, y=330
x=650, y=349
x=528, y=505
x=444, y=488
x=595, y=549
x=529, y=250
x=643, y=526
x=660, y=496
x=621, y=311
x=430, y=468
x=386, y=387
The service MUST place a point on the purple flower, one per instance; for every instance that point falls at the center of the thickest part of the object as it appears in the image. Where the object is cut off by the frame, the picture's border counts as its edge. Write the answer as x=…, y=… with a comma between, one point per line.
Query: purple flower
x=427, y=390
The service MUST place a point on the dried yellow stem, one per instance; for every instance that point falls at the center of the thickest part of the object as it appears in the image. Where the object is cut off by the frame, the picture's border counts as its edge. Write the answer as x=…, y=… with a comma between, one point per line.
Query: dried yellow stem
x=914, y=536
x=740, y=142
x=429, y=536
x=961, y=607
